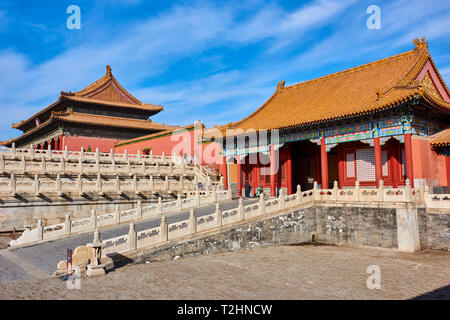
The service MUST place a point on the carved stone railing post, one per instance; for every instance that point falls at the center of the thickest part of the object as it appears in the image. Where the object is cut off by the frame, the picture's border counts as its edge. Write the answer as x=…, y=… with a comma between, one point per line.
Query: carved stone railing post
x=144, y=168
x=164, y=232
x=139, y=155
x=111, y=155
x=163, y=157
x=116, y=214
x=316, y=194
x=281, y=200
x=356, y=191
x=40, y=230
x=381, y=190
x=139, y=209
x=218, y=215
x=152, y=184
x=66, y=153
x=79, y=184
x=97, y=165
x=262, y=205
x=113, y=165
x=81, y=157
x=126, y=155
x=135, y=188
x=179, y=202
x=93, y=219
x=241, y=209
x=80, y=166
x=299, y=194
x=36, y=184
x=151, y=156
x=32, y=152
x=12, y=184
x=49, y=152
x=408, y=190
x=160, y=206
x=67, y=225
x=13, y=150
x=166, y=183
x=97, y=155
x=43, y=166
x=128, y=167
x=335, y=190
x=2, y=163
x=197, y=198
x=58, y=184
x=132, y=237
x=192, y=221
x=181, y=183
x=99, y=183
x=23, y=165
x=117, y=183
x=62, y=165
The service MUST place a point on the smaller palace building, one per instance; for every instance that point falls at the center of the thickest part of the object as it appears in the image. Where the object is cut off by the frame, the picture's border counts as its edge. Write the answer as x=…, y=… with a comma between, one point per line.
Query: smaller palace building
x=99, y=116
x=387, y=121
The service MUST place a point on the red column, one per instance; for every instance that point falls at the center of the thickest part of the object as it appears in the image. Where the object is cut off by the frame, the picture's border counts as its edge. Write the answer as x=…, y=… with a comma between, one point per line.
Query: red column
x=324, y=163
x=395, y=165
x=273, y=171
x=378, y=160
x=408, y=160
x=255, y=178
x=447, y=164
x=224, y=169
x=289, y=170
x=238, y=177
x=318, y=173
x=61, y=142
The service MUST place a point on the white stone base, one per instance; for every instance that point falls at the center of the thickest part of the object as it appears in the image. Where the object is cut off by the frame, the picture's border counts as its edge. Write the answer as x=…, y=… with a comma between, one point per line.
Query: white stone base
x=95, y=271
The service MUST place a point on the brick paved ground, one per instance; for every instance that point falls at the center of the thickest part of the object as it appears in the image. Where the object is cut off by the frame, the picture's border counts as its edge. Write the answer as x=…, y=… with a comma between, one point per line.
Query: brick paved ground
x=286, y=272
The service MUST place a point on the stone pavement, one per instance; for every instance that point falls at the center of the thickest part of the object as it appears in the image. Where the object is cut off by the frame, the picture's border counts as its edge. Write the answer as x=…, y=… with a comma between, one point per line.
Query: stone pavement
x=285, y=272
x=45, y=256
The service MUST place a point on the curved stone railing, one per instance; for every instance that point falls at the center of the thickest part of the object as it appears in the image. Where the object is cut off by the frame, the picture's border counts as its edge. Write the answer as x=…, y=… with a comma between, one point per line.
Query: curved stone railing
x=43, y=166
x=140, y=212
x=189, y=227
x=81, y=185
x=35, y=154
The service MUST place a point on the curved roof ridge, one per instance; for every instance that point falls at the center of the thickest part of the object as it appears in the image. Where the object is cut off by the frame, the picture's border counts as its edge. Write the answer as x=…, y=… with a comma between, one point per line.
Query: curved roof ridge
x=108, y=77
x=353, y=69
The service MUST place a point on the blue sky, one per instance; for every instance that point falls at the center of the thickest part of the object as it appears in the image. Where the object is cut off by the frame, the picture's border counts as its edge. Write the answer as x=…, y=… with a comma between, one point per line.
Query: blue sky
x=215, y=61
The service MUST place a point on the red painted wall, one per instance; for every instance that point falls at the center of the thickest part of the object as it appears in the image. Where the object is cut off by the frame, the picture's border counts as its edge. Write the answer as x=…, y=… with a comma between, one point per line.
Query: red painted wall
x=75, y=143
x=428, y=165
x=180, y=142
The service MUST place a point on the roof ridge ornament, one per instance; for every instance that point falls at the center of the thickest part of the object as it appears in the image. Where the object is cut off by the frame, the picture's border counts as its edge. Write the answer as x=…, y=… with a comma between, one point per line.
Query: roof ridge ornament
x=420, y=44
x=280, y=86
x=108, y=69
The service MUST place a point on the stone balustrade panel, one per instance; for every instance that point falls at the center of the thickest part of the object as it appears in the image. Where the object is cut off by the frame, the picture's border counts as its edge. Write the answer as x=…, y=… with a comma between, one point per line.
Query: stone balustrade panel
x=148, y=237
x=178, y=229
x=206, y=222
x=118, y=244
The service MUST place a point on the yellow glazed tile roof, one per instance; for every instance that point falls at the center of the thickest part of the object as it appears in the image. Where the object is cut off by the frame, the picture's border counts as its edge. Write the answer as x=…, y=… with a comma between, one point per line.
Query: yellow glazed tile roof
x=366, y=88
x=105, y=91
x=96, y=120
x=442, y=138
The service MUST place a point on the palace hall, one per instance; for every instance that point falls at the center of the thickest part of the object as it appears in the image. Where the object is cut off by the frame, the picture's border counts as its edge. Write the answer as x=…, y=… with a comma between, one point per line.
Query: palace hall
x=383, y=121
x=98, y=116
